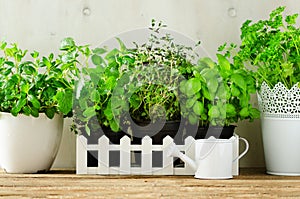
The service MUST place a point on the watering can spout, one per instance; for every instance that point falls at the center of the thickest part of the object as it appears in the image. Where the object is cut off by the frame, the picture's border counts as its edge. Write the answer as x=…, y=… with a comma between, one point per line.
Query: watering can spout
x=174, y=152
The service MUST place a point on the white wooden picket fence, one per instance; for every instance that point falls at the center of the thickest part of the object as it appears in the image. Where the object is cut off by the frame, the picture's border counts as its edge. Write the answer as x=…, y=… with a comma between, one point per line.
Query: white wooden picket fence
x=125, y=149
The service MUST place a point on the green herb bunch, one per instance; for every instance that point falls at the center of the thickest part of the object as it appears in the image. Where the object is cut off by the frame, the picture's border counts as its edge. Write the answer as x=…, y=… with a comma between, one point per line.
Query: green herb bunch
x=142, y=81
x=33, y=84
x=219, y=92
x=272, y=48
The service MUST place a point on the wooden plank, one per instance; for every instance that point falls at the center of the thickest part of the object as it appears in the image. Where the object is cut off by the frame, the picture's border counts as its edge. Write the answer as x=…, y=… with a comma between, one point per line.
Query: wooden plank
x=251, y=183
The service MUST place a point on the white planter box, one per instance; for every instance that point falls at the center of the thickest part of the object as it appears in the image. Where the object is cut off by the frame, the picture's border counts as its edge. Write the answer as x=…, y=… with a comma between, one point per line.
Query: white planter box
x=125, y=167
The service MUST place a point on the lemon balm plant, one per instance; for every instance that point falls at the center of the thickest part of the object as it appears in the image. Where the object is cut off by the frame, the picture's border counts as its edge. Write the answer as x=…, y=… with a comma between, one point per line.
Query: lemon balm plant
x=36, y=92
x=40, y=84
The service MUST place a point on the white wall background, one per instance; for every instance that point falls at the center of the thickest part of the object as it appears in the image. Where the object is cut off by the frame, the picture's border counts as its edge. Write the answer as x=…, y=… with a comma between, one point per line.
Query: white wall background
x=41, y=24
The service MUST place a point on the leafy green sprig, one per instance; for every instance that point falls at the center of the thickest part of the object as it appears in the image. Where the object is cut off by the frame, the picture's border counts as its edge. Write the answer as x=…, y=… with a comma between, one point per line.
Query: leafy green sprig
x=219, y=92
x=271, y=48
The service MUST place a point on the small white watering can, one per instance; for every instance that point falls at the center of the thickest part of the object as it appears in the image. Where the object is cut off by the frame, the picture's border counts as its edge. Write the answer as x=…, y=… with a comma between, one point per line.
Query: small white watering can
x=213, y=157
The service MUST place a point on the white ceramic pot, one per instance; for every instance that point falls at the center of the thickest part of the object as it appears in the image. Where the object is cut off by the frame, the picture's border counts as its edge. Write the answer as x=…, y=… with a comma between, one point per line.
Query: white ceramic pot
x=281, y=140
x=28, y=144
x=280, y=120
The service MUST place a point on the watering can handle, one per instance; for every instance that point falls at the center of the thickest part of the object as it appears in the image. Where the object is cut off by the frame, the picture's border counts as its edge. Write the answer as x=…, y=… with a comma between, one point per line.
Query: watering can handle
x=245, y=151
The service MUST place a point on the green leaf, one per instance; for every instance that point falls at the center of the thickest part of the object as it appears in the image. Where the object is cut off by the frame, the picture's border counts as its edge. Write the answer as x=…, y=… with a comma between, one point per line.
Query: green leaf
x=291, y=19
x=108, y=113
x=34, y=112
x=47, y=62
x=83, y=103
x=193, y=119
x=206, y=93
x=3, y=45
x=25, y=88
x=64, y=101
x=95, y=96
x=87, y=130
x=97, y=60
x=234, y=90
x=206, y=62
x=135, y=101
x=223, y=62
x=214, y=112
x=113, y=125
x=244, y=112
x=230, y=110
x=239, y=81
x=192, y=86
x=34, y=101
x=212, y=85
x=99, y=51
x=35, y=54
x=127, y=60
x=29, y=70
x=67, y=43
x=26, y=110
x=19, y=105
x=89, y=112
x=110, y=56
x=198, y=108
x=190, y=102
x=122, y=45
x=49, y=92
x=50, y=112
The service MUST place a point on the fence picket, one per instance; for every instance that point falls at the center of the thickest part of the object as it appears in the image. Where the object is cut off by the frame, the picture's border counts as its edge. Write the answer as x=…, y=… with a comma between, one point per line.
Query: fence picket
x=103, y=155
x=125, y=155
x=167, y=168
x=81, y=155
x=146, y=156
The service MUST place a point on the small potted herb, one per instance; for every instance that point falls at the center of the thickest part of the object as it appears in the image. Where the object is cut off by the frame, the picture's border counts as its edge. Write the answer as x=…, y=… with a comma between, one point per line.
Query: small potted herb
x=218, y=95
x=134, y=89
x=137, y=89
x=36, y=92
x=271, y=47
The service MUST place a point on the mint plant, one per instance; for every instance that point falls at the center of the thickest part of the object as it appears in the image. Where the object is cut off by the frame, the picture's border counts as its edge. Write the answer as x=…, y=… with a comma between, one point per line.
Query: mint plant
x=33, y=84
x=271, y=48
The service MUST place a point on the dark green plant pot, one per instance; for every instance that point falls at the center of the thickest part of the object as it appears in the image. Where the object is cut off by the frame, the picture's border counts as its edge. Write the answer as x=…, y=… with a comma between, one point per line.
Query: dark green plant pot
x=221, y=132
x=171, y=128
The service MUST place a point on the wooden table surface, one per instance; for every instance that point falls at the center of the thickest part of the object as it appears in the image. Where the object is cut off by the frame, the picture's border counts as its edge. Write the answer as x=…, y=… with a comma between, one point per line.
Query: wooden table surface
x=251, y=183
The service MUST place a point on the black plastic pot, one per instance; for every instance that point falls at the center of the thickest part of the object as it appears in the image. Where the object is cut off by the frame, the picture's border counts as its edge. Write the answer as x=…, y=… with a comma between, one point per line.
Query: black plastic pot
x=170, y=128
x=221, y=132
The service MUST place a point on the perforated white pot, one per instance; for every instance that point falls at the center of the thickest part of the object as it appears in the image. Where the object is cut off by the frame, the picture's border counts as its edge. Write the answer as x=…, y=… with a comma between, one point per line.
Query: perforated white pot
x=280, y=121
x=28, y=144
